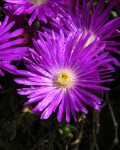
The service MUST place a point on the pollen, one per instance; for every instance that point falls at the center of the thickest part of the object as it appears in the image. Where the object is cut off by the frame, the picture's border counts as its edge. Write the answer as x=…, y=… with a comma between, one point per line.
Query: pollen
x=38, y=2
x=65, y=79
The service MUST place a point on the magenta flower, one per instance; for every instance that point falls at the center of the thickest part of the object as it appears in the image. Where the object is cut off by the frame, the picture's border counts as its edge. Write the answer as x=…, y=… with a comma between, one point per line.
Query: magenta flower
x=38, y=9
x=9, y=46
x=62, y=75
x=93, y=20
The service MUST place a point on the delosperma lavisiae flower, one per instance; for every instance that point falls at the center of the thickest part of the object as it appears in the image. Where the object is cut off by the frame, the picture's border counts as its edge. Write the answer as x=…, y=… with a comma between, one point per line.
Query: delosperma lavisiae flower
x=91, y=19
x=10, y=49
x=38, y=9
x=61, y=75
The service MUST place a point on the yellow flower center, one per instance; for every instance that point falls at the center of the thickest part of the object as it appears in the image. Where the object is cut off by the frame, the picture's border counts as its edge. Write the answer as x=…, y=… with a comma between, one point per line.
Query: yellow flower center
x=65, y=79
x=38, y=2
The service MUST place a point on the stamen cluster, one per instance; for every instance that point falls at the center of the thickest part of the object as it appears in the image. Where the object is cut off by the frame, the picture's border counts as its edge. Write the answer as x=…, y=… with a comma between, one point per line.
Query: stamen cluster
x=64, y=79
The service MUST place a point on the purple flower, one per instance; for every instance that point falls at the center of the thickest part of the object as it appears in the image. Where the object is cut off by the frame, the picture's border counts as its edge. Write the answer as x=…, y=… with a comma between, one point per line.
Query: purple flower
x=61, y=75
x=9, y=46
x=38, y=9
x=93, y=20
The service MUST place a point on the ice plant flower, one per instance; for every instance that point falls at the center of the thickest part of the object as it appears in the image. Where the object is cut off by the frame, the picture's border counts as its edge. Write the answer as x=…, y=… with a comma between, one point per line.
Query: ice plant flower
x=9, y=46
x=91, y=19
x=38, y=9
x=61, y=75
